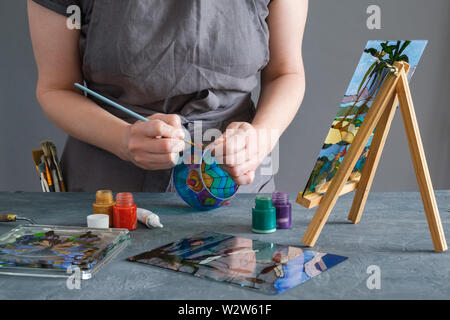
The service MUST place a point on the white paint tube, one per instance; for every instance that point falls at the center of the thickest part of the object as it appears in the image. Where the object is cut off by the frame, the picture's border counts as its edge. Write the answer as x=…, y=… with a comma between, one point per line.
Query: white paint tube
x=148, y=218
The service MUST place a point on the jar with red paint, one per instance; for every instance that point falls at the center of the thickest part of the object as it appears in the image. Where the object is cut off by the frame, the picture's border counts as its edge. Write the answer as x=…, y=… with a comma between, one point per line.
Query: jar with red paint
x=125, y=211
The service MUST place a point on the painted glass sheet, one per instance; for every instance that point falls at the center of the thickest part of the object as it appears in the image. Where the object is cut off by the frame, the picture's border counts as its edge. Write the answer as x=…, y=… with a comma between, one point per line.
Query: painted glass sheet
x=51, y=250
x=263, y=266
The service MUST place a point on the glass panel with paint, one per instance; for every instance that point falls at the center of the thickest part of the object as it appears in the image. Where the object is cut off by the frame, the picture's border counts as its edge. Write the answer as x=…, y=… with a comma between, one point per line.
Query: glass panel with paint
x=36, y=250
x=263, y=266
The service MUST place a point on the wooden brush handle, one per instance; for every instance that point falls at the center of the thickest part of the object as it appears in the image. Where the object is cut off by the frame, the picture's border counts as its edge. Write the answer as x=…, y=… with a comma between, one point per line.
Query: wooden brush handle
x=6, y=217
x=62, y=186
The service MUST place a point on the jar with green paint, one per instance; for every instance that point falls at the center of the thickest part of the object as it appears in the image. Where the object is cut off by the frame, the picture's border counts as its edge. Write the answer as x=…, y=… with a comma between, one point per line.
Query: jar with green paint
x=264, y=215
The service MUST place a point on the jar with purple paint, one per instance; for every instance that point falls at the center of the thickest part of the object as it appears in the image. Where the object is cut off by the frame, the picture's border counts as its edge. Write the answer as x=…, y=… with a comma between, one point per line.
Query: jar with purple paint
x=283, y=208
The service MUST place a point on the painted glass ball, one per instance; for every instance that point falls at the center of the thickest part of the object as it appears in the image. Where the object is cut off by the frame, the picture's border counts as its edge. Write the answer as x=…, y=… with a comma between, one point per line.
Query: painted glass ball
x=201, y=182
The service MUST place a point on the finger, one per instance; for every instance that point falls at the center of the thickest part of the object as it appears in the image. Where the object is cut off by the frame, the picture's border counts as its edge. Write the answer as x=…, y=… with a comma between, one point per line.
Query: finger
x=234, y=125
x=159, y=128
x=230, y=146
x=158, y=145
x=173, y=120
x=229, y=131
x=245, y=179
x=244, y=129
x=234, y=159
x=245, y=126
x=155, y=161
x=233, y=129
x=238, y=128
x=239, y=170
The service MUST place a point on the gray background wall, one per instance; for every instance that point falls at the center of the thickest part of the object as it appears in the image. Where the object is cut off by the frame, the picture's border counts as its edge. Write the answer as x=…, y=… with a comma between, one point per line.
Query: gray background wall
x=335, y=35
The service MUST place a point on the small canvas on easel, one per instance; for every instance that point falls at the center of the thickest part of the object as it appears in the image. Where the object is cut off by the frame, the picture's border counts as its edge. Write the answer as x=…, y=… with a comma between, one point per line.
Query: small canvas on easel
x=352, y=150
x=377, y=59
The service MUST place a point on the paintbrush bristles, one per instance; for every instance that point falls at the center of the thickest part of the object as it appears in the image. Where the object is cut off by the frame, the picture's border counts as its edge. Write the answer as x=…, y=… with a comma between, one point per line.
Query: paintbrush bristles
x=45, y=146
x=44, y=149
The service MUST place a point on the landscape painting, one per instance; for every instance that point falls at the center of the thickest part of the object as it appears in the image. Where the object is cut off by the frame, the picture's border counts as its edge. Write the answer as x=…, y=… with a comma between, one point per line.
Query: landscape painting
x=376, y=62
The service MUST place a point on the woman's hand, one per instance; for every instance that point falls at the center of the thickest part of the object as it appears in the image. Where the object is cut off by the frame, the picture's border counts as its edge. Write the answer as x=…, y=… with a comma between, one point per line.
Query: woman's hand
x=241, y=149
x=154, y=145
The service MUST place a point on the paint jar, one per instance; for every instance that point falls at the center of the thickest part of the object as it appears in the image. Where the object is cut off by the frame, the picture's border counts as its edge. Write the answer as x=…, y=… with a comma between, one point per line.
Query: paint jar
x=104, y=203
x=263, y=216
x=280, y=201
x=125, y=211
x=201, y=182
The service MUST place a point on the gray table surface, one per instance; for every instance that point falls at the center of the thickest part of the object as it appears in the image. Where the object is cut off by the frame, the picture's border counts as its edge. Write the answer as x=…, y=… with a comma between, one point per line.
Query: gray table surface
x=393, y=234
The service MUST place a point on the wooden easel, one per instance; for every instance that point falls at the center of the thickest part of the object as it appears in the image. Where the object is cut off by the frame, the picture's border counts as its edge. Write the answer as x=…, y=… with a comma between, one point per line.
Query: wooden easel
x=394, y=90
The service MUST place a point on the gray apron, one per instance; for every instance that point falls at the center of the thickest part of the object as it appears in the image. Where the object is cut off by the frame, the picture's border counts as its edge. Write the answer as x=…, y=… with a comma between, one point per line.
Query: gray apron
x=196, y=58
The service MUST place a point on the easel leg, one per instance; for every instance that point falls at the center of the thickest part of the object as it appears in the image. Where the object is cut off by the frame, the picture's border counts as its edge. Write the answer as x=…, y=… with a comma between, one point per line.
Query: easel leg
x=420, y=164
x=329, y=199
x=370, y=167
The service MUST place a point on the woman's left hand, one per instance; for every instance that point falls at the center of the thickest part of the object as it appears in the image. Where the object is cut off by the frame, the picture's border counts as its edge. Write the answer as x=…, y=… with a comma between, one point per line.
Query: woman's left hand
x=241, y=149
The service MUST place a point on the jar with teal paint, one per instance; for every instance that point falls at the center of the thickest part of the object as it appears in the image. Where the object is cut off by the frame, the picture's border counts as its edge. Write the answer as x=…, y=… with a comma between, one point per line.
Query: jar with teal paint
x=264, y=215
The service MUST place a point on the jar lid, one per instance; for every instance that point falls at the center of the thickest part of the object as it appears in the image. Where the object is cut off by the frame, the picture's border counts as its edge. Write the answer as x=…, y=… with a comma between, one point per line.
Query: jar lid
x=263, y=202
x=98, y=221
x=104, y=197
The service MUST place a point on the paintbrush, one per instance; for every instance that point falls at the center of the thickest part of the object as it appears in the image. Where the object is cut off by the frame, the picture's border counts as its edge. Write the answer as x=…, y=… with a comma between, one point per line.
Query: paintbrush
x=48, y=174
x=118, y=106
x=51, y=166
x=44, y=184
x=7, y=217
x=37, y=161
x=52, y=157
x=54, y=153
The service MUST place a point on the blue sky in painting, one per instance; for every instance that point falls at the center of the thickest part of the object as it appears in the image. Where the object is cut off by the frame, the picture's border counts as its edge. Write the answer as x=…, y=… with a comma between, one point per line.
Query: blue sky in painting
x=414, y=51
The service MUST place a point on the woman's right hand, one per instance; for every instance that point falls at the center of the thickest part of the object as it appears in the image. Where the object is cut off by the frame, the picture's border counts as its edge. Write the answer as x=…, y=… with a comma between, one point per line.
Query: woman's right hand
x=155, y=144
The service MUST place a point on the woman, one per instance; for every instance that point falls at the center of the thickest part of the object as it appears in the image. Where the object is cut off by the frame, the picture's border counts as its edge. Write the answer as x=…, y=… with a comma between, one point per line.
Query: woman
x=175, y=62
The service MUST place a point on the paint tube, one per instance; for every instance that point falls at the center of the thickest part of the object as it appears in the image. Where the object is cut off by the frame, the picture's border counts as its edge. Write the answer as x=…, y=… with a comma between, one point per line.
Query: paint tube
x=148, y=218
